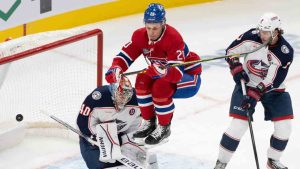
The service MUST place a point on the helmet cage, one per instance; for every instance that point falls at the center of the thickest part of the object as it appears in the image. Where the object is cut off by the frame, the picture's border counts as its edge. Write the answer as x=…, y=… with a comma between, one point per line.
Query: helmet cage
x=121, y=93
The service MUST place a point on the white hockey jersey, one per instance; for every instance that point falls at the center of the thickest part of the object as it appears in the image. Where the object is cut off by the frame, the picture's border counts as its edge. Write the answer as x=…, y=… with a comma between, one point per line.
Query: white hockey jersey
x=98, y=107
x=268, y=65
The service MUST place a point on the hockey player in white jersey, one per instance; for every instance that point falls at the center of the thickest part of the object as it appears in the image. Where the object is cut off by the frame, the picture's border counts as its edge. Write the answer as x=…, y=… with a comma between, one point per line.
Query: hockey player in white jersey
x=264, y=72
x=109, y=115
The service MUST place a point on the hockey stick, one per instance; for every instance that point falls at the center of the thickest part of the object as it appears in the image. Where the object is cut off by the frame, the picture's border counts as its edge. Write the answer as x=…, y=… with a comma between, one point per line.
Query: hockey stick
x=206, y=60
x=250, y=126
x=124, y=160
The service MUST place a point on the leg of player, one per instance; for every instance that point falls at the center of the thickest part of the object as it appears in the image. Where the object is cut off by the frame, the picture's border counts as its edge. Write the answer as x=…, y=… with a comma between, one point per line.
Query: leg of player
x=278, y=142
x=230, y=141
x=143, y=87
x=188, y=86
x=164, y=108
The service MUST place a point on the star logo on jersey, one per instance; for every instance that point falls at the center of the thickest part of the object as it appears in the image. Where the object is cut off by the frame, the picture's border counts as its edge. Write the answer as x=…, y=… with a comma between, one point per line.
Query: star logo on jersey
x=258, y=68
x=96, y=95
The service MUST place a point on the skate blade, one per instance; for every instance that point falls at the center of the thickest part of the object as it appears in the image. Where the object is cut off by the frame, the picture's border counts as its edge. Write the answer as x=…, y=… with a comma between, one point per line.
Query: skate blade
x=148, y=146
x=139, y=141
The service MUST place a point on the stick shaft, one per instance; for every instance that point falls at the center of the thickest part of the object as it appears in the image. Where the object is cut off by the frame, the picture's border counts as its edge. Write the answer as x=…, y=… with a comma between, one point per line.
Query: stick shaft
x=250, y=127
x=205, y=60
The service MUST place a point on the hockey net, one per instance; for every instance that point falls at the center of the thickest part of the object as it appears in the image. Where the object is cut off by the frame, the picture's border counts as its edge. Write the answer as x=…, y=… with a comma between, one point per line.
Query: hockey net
x=50, y=71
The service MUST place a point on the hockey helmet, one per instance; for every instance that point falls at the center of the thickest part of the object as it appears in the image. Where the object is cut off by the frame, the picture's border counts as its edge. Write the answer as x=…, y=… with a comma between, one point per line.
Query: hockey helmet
x=121, y=92
x=155, y=13
x=269, y=22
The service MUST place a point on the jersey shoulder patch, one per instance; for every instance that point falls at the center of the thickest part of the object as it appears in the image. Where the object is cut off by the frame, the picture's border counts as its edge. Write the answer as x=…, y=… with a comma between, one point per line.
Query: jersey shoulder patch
x=100, y=97
x=284, y=52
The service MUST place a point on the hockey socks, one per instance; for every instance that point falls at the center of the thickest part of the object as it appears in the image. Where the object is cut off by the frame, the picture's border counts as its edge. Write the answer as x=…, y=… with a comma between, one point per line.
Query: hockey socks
x=231, y=139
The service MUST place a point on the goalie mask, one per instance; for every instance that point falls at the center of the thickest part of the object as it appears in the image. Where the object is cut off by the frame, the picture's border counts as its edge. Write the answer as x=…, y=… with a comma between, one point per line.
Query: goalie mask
x=121, y=93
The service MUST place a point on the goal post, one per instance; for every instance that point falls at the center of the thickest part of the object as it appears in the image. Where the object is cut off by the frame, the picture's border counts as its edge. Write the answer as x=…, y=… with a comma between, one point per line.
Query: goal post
x=32, y=51
x=50, y=71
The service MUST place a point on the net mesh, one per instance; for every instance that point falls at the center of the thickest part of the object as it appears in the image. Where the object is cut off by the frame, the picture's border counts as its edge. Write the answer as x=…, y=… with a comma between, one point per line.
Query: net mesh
x=56, y=81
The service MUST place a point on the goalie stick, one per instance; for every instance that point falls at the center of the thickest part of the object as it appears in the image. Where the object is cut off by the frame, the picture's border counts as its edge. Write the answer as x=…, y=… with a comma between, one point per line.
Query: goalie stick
x=206, y=60
x=124, y=160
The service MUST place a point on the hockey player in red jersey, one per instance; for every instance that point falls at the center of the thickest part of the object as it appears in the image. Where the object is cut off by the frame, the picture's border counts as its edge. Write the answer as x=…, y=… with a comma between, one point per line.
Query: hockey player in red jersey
x=162, y=46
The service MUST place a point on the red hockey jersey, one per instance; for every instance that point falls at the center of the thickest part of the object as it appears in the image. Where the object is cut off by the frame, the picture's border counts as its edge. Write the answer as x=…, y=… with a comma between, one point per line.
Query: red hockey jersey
x=168, y=49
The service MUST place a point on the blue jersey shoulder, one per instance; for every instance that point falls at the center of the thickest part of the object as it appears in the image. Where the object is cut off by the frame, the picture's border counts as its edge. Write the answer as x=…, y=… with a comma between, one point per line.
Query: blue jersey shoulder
x=283, y=51
x=101, y=97
x=250, y=35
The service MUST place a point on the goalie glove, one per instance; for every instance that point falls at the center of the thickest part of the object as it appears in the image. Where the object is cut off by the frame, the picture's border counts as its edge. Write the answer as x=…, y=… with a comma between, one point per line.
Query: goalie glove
x=108, y=142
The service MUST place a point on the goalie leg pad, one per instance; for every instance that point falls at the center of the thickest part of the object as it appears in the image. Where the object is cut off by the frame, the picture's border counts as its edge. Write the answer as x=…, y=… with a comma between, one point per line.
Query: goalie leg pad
x=108, y=142
x=90, y=155
x=132, y=150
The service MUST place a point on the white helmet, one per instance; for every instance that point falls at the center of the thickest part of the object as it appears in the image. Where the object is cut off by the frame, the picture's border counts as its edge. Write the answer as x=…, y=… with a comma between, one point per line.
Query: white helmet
x=269, y=22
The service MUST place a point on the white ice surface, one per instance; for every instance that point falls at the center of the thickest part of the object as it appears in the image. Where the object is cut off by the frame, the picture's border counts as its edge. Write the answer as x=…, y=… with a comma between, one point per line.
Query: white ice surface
x=198, y=122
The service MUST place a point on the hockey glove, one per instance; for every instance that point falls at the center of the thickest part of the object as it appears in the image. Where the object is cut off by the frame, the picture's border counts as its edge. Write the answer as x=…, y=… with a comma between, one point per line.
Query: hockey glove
x=238, y=73
x=249, y=101
x=156, y=71
x=113, y=75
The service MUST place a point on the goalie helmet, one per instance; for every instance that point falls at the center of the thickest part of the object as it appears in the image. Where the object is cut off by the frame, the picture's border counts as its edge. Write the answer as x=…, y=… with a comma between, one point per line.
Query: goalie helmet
x=155, y=13
x=121, y=92
x=269, y=22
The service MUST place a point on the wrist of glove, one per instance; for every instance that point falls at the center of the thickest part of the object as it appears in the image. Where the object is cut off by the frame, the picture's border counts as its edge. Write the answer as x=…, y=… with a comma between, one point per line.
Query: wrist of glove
x=261, y=87
x=156, y=71
x=238, y=73
x=254, y=93
x=253, y=96
x=113, y=74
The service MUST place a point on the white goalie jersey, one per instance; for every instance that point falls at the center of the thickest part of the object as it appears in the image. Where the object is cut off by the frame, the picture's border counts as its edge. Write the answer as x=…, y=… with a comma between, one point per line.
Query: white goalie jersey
x=98, y=108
